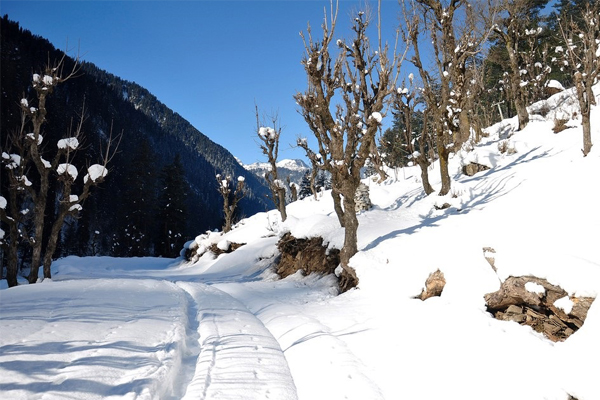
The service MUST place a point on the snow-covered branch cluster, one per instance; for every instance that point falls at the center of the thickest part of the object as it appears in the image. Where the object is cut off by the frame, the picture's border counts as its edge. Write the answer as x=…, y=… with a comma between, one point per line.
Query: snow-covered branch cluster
x=231, y=196
x=29, y=195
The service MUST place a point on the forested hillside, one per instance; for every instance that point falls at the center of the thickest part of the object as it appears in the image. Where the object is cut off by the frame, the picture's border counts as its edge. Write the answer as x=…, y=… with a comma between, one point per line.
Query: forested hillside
x=162, y=160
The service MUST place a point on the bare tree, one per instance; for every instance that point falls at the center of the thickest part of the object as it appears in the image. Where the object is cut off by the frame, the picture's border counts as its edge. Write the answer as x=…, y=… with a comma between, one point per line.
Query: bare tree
x=60, y=169
x=526, y=75
x=13, y=217
x=269, y=137
x=362, y=79
x=581, y=54
x=44, y=86
x=405, y=102
x=231, y=197
x=452, y=47
x=69, y=203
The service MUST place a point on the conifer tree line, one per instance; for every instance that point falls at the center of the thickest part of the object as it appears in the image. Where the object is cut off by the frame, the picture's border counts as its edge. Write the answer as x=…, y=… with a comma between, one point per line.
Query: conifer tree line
x=157, y=192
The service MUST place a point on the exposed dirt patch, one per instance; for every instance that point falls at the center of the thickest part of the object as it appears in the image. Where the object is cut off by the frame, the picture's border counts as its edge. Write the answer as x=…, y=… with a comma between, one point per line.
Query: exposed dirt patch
x=218, y=249
x=545, y=307
x=309, y=256
x=473, y=168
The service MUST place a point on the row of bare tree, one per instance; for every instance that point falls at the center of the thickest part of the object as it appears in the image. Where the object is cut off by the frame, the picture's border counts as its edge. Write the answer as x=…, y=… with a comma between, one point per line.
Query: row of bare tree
x=35, y=169
x=352, y=84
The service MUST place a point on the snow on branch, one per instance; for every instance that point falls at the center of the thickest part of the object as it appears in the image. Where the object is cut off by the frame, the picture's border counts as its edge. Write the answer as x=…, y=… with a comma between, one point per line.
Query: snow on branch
x=71, y=143
x=66, y=168
x=95, y=172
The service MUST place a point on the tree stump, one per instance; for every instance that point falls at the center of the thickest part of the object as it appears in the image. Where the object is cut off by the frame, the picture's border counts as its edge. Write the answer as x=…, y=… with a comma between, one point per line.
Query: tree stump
x=308, y=256
x=434, y=285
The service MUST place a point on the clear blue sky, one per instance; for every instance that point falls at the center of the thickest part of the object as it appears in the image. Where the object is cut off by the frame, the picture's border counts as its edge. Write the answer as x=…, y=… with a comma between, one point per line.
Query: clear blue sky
x=210, y=61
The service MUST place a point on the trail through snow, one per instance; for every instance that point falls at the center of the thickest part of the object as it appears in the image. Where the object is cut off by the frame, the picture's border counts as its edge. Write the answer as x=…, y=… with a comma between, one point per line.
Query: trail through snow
x=239, y=358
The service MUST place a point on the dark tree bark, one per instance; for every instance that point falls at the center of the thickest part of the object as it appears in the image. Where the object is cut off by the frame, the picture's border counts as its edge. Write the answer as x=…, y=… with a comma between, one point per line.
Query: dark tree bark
x=270, y=147
x=446, y=97
x=363, y=80
x=230, y=199
x=580, y=53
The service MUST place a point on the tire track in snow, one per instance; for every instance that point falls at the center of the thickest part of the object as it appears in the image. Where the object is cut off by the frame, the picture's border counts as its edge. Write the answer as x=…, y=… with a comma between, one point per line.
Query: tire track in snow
x=191, y=343
x=238, y=358
x=322, y=364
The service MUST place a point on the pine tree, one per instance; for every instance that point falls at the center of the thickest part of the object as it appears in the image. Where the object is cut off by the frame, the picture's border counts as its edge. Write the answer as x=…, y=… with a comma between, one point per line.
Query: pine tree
x=305, y=190
x=138, y=208
x=172, y=221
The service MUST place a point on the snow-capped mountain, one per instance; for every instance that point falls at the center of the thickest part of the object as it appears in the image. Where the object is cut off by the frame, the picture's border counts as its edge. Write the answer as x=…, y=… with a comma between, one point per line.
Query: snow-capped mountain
x=294, y=169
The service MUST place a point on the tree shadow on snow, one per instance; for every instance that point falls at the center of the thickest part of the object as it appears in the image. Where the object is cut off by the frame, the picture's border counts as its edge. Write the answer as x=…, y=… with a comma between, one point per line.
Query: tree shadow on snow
x=47, y=373
x=489, y=188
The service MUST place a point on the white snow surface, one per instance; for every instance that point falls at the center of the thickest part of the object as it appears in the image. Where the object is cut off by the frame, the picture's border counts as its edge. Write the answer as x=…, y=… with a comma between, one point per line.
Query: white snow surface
x=535, y=288
x=225, y=327
x=565, y=303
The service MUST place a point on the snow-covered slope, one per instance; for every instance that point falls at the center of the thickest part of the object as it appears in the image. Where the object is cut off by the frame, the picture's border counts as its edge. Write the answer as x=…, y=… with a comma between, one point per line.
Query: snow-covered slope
x=227, y=328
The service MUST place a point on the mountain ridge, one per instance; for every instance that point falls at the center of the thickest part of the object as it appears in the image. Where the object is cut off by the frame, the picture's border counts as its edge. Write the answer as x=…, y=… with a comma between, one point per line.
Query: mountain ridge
x=294, y=169
x=123, y=106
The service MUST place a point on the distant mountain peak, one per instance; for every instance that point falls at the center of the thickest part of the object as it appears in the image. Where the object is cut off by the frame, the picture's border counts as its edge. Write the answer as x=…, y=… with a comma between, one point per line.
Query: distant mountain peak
x=287, y=168
x=289, y=164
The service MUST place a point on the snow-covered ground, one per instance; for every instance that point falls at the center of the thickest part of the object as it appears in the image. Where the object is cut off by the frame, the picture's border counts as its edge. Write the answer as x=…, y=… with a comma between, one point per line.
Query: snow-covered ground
x=227, y=328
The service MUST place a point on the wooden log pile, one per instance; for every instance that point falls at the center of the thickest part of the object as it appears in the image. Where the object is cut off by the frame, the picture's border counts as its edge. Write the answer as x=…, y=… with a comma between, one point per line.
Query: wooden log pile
x=535, y=302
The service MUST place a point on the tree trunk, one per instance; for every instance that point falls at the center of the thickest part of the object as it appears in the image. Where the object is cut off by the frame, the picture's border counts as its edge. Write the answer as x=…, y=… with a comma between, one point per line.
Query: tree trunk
x=424, y=165
x=42, y=196
x=337, y=206
x=350, y=241
x=443, y=154
x=12, y=266
x=53, y=239
x=522, y=113
x=12, y=258
x=584, y=100
x=38, y=221
x=587, y=135
x=515, y=84
x=464, y=131
x=227, y=213
x=281, y=203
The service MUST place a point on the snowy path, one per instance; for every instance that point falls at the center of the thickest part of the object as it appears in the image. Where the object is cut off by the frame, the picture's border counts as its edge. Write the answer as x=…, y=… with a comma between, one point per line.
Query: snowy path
x=239, y=358
x=136, y=339
x=317, y=356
